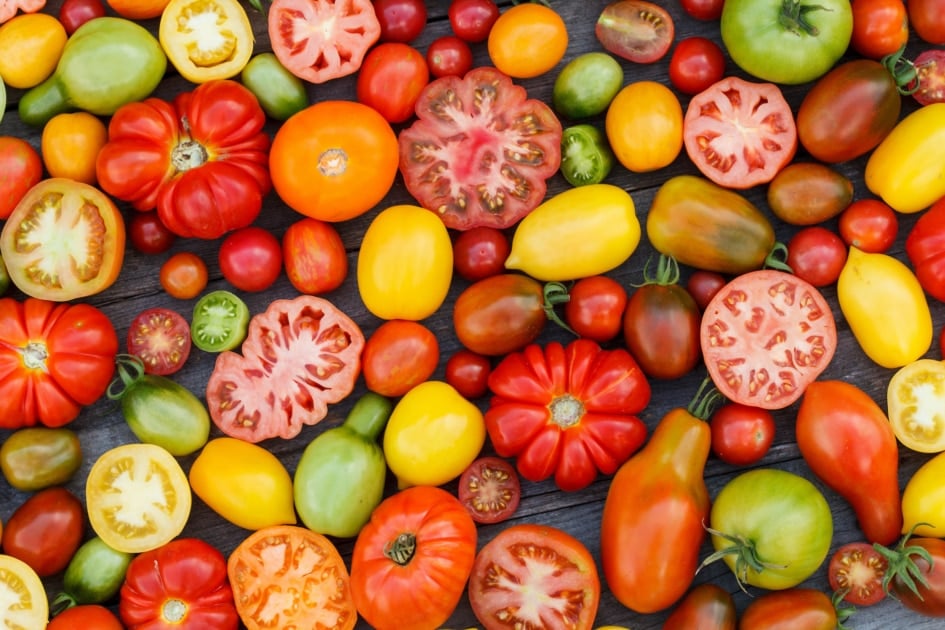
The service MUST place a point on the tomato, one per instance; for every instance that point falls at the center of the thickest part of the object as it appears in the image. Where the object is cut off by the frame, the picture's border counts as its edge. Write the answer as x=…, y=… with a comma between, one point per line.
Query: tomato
x=314, y=256
x=334, y=160
x=400, y=20
x=490, y=490
x=586, y=156
x=25, y=603
x=568, y=411
x=219, y=321
x=880, y=27
x=94, y=574
x=586, y=85
x=250, y=258
x=703, y=285
x=914, y=396
x=857, y=570
x=405, y=264
x=494, y=173
x=499, y=314
x=148, y=234
x=449, y=56
x=527, y=40
x=644, y=126
x=75, y=13
x=206, y=40
x=34, y=458
x=472, y=20
x=772, y=528
x=279, y=92
x=24, y=167
x=790, y=609
x=480, y=252
x=319, y=40
x=696, y=63
x=398, y=356
x=138, y=9
x=244, y=483
x=706, y=605
x=703, y=9
x=917, y=574
x=890, y=339
x=160, y=337
x=45, y=530
x=468, y=373
x=201, y=160
x=298, y=567
x=137, y=497
x=55, y=359
x=88, y=617
x=786, y=42
x=930, y=77
x=595, y=308
x=924, y=248
x=183, y=275
x=817, y=255
x=65, y=240
x=923, y=499
x=808, y=193
x=638, y=31
x=869, y=225
x=926, y=19
x=391, y=78
x=741, y=434
x=754, y=324
x=31, y=45
x=740, y=134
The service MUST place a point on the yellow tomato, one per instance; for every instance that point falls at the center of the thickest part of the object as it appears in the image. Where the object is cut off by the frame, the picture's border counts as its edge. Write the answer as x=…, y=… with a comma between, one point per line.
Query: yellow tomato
x=907, y=169
x=915, y=402
x=30, y=47
x=886, y=308
x=644, y=126
x=923, y=499
x=433, y=435
x=405, y=265
x=527, y=40
x=580, y=232
x=70, y=144
x=24, y=603
x=244, y=483
x=206, y=39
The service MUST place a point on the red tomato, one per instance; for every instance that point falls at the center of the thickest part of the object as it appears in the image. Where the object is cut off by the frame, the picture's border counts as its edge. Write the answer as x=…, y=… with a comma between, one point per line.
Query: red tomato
x=400, y=20
x=480, y=252
x=741, y=435
x=22, y=169
x=930, y=76
x=481, y=176
x=738, y=133
x=398, y=356
x=471, y=20
x=696, y=63
x=857, y=570
x=790, y=609
x=703, y=9
x=869, y=225
x=45, y=530
x=706, y=606
x=148, y=234
x=318, y=40
x=639, y=31
x=925, y=247
x=499, y=314
x=391, y=78
x=745, y=358
x=703, y=285
x=817, y=255
x=449, y=56
x=880, y=27
x=595, y=308
x=75, y=13
x=924, y=570
x=927, y=18
x=538, y=560
x=490, y=490
x=87, y=617
x=183, y=275
x=468, y=373
x=161, y=338
x=251, y=258
x=314, y=256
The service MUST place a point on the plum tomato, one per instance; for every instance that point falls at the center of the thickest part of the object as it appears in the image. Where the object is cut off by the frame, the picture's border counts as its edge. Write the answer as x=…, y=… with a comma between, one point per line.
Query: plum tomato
x=869, y=225
x=927, y=19
x=314, y=256
x=817, y=255
x=808, y=193
x=22, y=168
x=75, y=13
x=636, y=30
x=490, y=490
x=471, y=20
x=741, y=434
x=148, y=234
x=391, y=78
x=398, y=356
x=595, y=308
x=930, y=77
x=856, y=569
x=703, y=9
x=160, y=337
x=880, y=27
x=45, y=530
x=449, y=56
x=251, y=258
x=184, y=275
x=696, y=63
x=33, y=458
x=586, y=85
x=703, y=285
x=468, y=373
x=480, y=252
x=527, y=40
x=400, y=20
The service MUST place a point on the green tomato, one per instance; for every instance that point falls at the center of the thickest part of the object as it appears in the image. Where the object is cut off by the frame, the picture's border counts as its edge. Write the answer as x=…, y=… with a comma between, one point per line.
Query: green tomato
x=94, y=574
x=773, y=528
x=39, y=457
x=279, y=92
x=340, y=477
x=786, y=41
x=219, y=322
x=587, y=85
x=586, y=156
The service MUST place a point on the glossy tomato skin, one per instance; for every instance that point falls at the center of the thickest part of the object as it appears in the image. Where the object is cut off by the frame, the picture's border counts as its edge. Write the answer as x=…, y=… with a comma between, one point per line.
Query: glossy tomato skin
x=808, y=193
x=703, y=285
x=449, y=56
x=586, y=85
x=527, y=40
x=25, y=168
x=391, y=78
x=636, y=30
x=472, y=20
x=706, y=606
x=696, y=63
x=148, y=234
x=314, y=256
x=595, y=308
x=925, y=247
x=45, y=530
x=817, y=255
x=399, y=355
x=870, y=225
x=87, y=616
x=644, y=125
x=280, y=93
x=880, y=27
x=858, y=569
x=480, y=252
x=184, y=275
x=490, y=490
x=741, y=434
x=250, y=258
x=926, y=18
x=468, y=372
x=790, y=609
x=400, y=20
x=499, y=314
x=703, y=9
x=75, y=13
x=34, y=458
x=95, y=573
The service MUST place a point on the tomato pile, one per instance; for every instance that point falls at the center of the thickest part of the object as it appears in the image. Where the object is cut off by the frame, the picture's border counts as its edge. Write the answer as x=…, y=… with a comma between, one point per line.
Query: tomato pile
x=417, y=314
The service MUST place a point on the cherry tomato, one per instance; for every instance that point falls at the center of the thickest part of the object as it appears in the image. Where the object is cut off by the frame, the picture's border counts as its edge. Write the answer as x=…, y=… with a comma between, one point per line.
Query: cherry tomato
x=400, y=355
x=741, y=434
x=471, y=20
x=857, y=569
x=468, y=373
x=880, y=27
x=22, y=168
x=527, y=40
x=184, y=275
x=636, y=30
x=703, y=9
x=696, y=63
x=480, y=252
x=817, y=255
x=160, y=337
x=449, y=56
x=869, y=225
x=703, y=285
x=391, y=78
x=87, y=617
x=595, y=308
x=45, y=530
x=400, y=20
x=75, y=13
x=490, y=490
x=927, y=18
x=314, y=256
x=251, y=258
x=148, y=234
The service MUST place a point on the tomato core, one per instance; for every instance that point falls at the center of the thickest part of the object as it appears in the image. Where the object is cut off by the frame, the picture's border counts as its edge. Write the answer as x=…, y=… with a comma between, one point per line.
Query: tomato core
x=333, y=162
x=402, y=548
x=34, y=356
x=173, y=611
x=188, y=154
x=566, y=411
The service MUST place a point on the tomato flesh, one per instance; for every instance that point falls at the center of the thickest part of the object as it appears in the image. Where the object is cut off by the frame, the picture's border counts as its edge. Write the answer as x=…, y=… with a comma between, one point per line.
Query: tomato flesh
x=490, y=490
x=636, y=30
x=858, y=569
x=160, y=337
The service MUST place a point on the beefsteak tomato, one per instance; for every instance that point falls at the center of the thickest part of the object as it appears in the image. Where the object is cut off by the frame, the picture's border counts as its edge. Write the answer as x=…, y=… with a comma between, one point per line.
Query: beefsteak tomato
x=925, y=247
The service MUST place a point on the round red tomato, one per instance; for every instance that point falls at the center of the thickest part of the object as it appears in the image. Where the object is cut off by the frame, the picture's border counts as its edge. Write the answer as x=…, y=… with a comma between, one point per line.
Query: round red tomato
x=703, y=9
x=745, y=349
x=148, y=234
x=880, y=27
x=400, y=20
x=87, y=617
x=480, y=252
x=22, y=169
x=537, y=559
x=817, y=255
x=391, y=78
x=696, y=63
x=490, y=490
x=449, y=56
x=927, y=18
x=468, y=373
x=314, y=256
x=869, y=225
x=251, y=258
x=930, y=77
x=398, y=356
x=741, y=434
x=183, y=275
x=703, y=285
x=75, y=13
x=161, y=338
x=595, y=308
x=639, y=31
x=856, y=569
x=471, y=20
x=45, y=530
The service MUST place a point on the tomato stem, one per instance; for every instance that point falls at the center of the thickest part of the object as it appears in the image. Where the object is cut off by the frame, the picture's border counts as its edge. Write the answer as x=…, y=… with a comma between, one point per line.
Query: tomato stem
x=703, y=403
x=130, y=369
x=902, y=566
x=903, y=71
x=553, y=294
x=746, y=556
x=777, y=258
x=402, y=548
x=793, y=17
x=667, y=272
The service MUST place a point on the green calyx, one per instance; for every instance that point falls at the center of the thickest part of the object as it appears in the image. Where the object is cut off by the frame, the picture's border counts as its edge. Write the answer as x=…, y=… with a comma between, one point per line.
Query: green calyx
x=903, y=71
x=555, y=293
x=793, y=17
x=667, y=272
x=130, y=370
x=902, y=566
x=746, y=556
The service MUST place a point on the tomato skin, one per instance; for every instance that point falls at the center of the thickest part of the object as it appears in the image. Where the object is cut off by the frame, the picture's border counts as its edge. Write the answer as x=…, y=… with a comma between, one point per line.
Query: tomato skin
x=696, y=63
x=490, y=490
x=45, y=530
x=925, y=18
x=858, y=568
x=399, y=355
x=31, y=45
x=587, y=85
x=148, y=234
x=527, y=40
x=25, y=168
x=391, y=78
x=636, y=30
x=34, y=458
x=706, y=606
x=400, y=20
x=703, y=285
x=280, y=93
x=314, y=256
x=472, y=20
x=703, y=9
x=75, y=13
x=644, y=125
x=741, y=434
x=595, y=308
x=499, y=314
x=871, y=226
x=468, y=373
x=880, y=27
x=87, y=617
x=790, y=609
x=925, y=247
x=94, y=574
x=449, y=56
x=817, y=255
x=923, y=499
x=480, y=252
x=70, y=143
x=184, y=275
x=808, y=193
x=250, y=258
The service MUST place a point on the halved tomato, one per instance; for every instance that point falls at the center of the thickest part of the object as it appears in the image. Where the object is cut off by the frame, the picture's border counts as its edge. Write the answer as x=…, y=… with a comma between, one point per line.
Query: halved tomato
x=636, y=30
x=9, y=8
x=930, y=76
x=490, y=489
x=857, y=570
x=24, y=603
x=160, y=337
x=206, y=39
x=915, y=402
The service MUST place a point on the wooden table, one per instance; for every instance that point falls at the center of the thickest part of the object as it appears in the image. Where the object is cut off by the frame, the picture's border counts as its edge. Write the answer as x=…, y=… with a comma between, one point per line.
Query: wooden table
x=101, y=426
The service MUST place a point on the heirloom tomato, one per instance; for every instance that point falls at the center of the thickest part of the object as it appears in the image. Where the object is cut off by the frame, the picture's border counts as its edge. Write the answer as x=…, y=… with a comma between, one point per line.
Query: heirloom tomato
x=706, y=606
x=70, y=144
x=925, y=247
x=880, y=27
x=449, y=56
x=926, y=17
x=808, y=193
x=595, y=308
x=296, y=574
x=495, y=171
x=871, y=226
x=183, y=275
x=405, y=264
x=94, y=574
x=644, y=126
x=314, y=256
x=201, y=159
x=319, y=40
x=64, y=240
x=279, y=92
x=25, y=602
x=741, y=434
x=161, y=338
x=817, y=255
x=567, y=411
x=766, y=336
x=500, y=314
x=138, y=9
x=468, y=373
x=534, y=576
x=740, y=134
x=333, y=160
x=219, y=321
x=399, y=355
x=9, y=8
x=45, y=530
x=400, y=20
x=857, y=569
x=586, y=156
x=206, y=40
x=148, y=234
x=22, y=167
x=54, y=360
x=586, y=85
x=181, y=585
x=790, y=609
x=786, y=41
x=250, y=258
x=490, y=490
x=527, y=40
x=915, y=400
x=472, y=20
x=75, y=13
x=33, y=458
x=299, y=356
x=930, y=77
x=923, y=499
x=696, y=63
x=916, y=575
x=391, y=78
x=411, y=561
x=30, y=47
x=87, y=617
x=636, y=30
x=480, y=252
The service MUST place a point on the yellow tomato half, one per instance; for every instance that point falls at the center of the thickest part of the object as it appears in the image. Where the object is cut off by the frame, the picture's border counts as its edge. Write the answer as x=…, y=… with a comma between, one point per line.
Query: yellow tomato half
x=71, y=143
x=915, y=401
x=24, y=603
x=644, y=126
x=527, y=40
x=30, y=47
x=206, y=39
x=923, y=499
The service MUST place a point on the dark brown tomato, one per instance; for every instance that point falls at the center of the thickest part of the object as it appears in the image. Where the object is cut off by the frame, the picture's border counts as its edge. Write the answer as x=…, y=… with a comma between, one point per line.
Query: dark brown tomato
x=790, y=609
x=595, y=308
x=703, y=285
x=808, y=193
x=490, y=490
x=45, y=530
x=499, y=314
x=705, y=607
x=661, y=330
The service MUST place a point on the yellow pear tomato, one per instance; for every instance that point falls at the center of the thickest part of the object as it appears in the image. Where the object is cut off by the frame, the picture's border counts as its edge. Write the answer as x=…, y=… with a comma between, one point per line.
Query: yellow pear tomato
x=915, y=401
x=923, y=500
x=644, y=125
x=30, y=47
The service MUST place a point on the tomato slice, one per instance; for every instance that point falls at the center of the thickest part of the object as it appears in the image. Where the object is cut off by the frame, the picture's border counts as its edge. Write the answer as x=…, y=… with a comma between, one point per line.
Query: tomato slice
x=930, y=76
x=206, y=39
x=219, y=321
x=9, y=8
x=490, y=490
x=915, y=401
x=765, y=336
x=738, y=133
x=24, y=603
x=636, y=30
x=160, y=337
x=857, y=569
x=138, y=497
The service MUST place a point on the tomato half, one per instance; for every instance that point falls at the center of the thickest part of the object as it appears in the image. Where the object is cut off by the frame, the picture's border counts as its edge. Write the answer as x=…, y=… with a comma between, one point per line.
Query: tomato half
x=857, y=570
x=206, y=40
x=25, y=603
x=219, y=321
x=161, y=338
x=930, y=77
x=914, y=399
x=490, y=490
x=636, y=30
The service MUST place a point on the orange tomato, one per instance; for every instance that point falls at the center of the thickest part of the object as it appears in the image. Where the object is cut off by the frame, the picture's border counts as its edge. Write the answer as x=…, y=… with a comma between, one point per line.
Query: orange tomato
x=138, y=9
x=184, y=275
x=334, y=160
x=70, y=144
x=527, y=40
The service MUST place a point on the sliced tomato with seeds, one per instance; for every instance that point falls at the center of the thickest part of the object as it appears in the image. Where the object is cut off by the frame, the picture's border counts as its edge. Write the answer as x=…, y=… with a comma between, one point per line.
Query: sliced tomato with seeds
x=857, y=570
x=160, y=337
x=636, y=30
x=490, y=489
x=930, y=77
